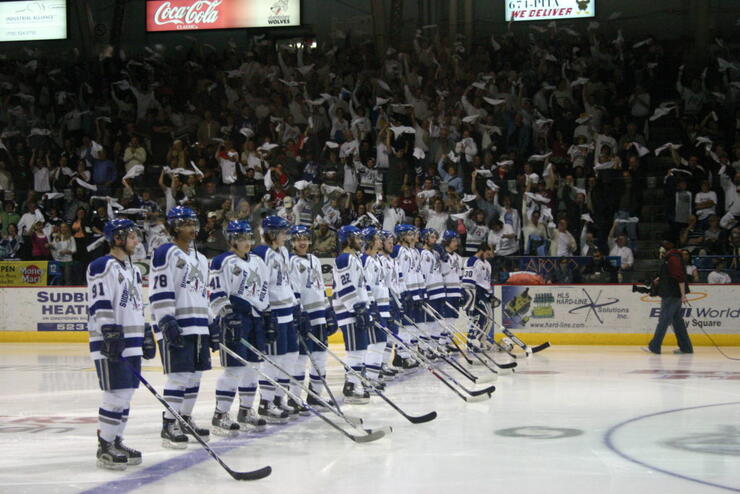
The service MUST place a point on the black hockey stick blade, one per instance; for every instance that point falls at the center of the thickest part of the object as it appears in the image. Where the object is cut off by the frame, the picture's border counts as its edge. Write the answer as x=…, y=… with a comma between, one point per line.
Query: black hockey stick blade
x=508, y=365
x=373, y=436
x=422, y=419
x=253, y=475
x=541, y=347
x=488, y=390
x=473, y=399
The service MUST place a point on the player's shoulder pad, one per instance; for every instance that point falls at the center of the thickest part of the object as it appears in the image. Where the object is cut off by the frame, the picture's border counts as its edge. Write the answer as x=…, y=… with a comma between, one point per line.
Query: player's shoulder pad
x=261, y=252
x=99, y=265
x=471, y=261
x=219, y=260
x=363, y=258
x=159, y=258
x=342, y=260
x=396, y=250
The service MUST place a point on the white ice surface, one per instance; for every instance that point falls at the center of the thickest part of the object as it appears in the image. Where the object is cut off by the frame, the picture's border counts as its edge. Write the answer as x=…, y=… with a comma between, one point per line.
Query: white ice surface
x=49, y=400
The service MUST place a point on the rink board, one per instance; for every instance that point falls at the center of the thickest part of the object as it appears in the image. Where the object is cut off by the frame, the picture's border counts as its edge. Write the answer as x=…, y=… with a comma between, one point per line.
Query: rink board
x=561, y=314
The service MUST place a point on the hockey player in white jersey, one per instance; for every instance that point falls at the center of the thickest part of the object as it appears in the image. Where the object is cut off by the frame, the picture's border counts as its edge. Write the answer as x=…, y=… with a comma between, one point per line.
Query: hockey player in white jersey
x=431, y=271
x=405, y=255
x=309, y=289
x=452, y=270
x=380, y=308
x=180, y=310
x=238, y=295
x=117, y=333
x=280, y=332
x=477, y=293
x=390, y=275
x=350, y=301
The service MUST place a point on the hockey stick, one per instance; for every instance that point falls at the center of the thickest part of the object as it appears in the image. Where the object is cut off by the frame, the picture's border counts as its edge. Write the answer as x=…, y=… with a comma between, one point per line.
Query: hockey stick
x=492, y=340
x=438, y=317
x=252, y=475
x=453, y=363
x=365, y=382
x=358, y=421
x=371, y=435
x=462, y=370
x=474, y=395
x=507, y=365
x=527, y=349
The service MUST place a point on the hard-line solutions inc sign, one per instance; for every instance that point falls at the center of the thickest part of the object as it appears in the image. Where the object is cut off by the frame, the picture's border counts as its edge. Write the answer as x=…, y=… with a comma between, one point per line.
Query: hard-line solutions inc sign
x=540, y=10
x=189, y=15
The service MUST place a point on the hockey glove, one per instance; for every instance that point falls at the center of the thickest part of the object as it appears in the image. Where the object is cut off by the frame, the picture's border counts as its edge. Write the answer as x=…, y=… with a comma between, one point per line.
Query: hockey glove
x=407, y=303
x=270, y=322
x=171, y=332
x=304, y=325
x=231, y=329
x=214, y=334
x=148, y=347
x=375, y=312
x=362, y=319
x=331, y=322
x=113, y=342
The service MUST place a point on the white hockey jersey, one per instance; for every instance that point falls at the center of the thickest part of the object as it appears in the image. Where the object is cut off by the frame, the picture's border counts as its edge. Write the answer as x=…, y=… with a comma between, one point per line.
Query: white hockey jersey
x=282, y=299
x=115, y=297
x=477, y=234
x=179, y=287
x=408, y=272
x=390, y=276
x=375, y=275
x=477, y=276
x=308, y=287
x=232, y=277
x=431, y=271
x=350, y=287
x=452, y=271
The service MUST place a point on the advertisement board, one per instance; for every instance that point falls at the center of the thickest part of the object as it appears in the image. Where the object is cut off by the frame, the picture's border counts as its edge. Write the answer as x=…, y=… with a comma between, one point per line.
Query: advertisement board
x=33, y=20
x=189, y=15
x=613, y=309
x=540, y=10
x=24, y=273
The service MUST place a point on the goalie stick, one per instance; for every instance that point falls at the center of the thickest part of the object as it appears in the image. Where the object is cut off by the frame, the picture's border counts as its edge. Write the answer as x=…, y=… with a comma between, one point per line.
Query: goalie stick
x=324, y=383
x=437, y=316
x=478, y=395
x=371, y=435
x=365, y=382
x=250, y=475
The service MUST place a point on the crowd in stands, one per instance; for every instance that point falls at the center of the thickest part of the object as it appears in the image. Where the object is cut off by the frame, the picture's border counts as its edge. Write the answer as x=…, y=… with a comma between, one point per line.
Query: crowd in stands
x=538, y=143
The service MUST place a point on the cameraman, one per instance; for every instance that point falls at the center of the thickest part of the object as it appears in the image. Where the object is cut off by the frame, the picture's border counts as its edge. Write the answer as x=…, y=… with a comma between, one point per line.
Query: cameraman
x=671, y=288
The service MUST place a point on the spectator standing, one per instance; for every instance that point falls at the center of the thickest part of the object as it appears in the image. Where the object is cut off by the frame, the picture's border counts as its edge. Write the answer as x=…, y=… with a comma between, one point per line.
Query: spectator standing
x=63, y=247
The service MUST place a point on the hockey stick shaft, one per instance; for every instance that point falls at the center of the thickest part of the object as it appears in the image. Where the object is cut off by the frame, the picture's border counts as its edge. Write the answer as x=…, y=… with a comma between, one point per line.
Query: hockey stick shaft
x=493, y=323
x=302, y=342
x=297, y=399
x=414, y=420
x=436, y=371
x=501, y=366
x=285, y=389
x=431, y=311
x=251, y=475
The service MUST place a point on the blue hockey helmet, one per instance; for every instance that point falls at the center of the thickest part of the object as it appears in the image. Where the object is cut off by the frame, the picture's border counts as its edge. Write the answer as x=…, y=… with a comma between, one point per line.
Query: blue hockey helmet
x=275, y=223
x=299, y=231
x=239, y=230
x=119, y=227
x=448, y=235
x=384, y=234
x=346, y=232
x=369, y=233
x=182, y=216
x=404, y=229
x=428, y=232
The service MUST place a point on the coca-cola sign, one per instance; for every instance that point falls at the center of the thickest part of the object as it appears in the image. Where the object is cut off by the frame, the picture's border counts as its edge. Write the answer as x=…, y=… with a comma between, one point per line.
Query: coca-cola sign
x=187, y=15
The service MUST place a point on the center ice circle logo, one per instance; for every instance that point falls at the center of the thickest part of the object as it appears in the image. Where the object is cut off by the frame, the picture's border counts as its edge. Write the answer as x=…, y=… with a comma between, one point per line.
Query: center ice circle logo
x=31, y=274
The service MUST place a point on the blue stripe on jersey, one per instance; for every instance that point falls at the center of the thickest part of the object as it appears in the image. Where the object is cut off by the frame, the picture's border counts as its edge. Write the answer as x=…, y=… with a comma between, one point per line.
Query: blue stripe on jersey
x=215, y=295
x=98, y=265
x=260, y=251
x=160, y=255
x=218, y=261
x=100, y=304
x=345, y=291
x=436, y=291
x=342, y=260
x=162, y=296
x=283, y=312
x=193, y=321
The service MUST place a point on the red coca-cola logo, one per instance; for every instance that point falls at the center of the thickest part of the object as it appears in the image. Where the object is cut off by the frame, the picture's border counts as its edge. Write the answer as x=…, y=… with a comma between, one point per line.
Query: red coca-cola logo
x=198, y=12
x=31, y=274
